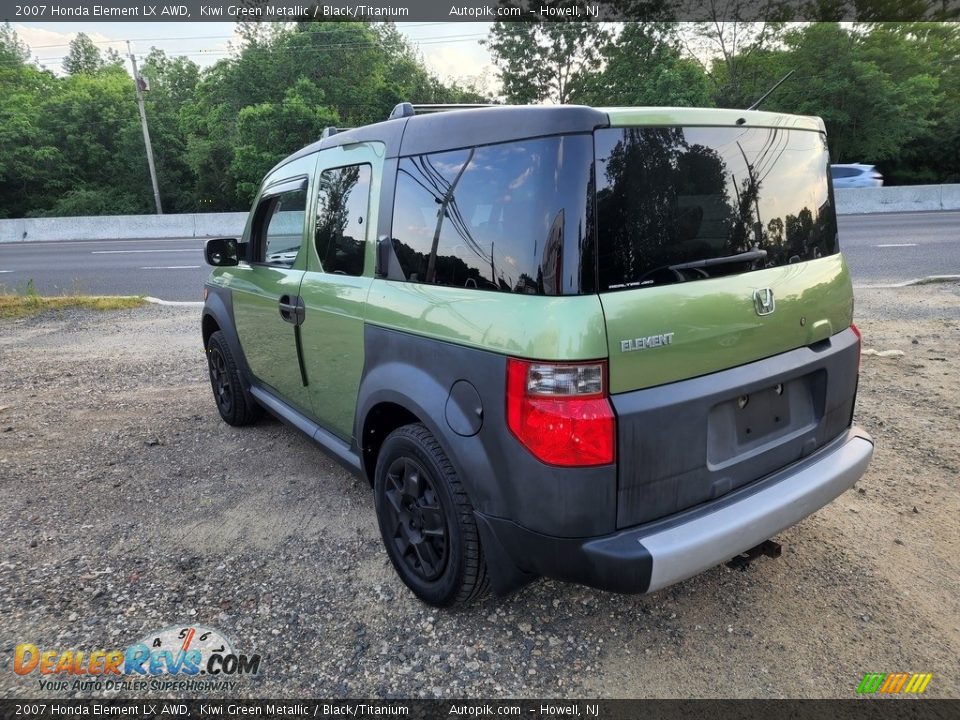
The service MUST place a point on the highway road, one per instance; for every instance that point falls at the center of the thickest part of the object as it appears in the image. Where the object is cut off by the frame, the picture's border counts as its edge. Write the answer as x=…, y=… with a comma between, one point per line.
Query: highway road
x=880, y=249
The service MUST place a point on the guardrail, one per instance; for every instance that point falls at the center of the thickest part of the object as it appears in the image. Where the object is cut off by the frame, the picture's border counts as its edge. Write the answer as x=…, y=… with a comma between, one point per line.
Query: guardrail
x=850, y=201
x=123, y=227
x=899, y=198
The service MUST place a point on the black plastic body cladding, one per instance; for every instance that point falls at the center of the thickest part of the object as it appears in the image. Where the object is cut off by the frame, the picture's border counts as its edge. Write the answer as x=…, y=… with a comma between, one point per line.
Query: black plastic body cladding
x=678, y=445
x=502, y=478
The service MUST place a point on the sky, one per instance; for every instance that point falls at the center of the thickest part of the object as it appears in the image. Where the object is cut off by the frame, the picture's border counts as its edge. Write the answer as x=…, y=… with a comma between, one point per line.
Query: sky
x=451, y=50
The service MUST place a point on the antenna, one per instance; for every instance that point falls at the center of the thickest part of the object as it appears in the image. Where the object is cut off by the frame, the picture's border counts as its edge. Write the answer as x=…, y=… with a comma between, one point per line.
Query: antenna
x=770, y=91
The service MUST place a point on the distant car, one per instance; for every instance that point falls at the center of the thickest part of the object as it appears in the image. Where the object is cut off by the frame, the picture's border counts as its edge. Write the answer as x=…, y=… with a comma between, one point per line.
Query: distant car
x=856, y=175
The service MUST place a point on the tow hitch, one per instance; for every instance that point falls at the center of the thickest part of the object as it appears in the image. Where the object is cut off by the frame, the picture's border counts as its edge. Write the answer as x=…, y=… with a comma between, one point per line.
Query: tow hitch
x=742, y=561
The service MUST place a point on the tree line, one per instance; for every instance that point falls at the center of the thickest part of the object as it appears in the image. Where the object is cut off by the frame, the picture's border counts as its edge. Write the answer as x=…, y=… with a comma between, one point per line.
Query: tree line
x=71, y=143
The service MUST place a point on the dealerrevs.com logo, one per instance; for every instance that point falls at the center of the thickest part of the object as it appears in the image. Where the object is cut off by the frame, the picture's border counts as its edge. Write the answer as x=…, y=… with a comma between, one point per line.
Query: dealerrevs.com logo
x=191, y=658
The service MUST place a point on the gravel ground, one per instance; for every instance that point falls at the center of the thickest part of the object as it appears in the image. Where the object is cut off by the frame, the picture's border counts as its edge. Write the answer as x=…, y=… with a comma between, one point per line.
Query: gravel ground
x=128, y=506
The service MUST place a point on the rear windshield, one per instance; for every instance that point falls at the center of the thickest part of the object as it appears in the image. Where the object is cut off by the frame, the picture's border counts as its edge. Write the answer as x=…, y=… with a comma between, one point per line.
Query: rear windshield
x=681, y=204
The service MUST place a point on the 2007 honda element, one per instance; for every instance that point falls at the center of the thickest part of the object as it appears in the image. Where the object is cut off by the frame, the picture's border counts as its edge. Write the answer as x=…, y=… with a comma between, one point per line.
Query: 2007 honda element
x=609, y=346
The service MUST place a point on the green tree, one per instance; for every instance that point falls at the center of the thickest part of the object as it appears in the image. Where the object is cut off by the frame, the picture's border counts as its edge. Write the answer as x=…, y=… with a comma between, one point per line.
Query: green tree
x=268, y=132
x=546, y=61
x=83, y=57
x=643, y=65
x=871, y=109
x=28, y=155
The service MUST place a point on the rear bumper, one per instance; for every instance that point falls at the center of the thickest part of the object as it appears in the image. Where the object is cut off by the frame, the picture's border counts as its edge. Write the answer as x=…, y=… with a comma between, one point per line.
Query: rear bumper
x=655, y=555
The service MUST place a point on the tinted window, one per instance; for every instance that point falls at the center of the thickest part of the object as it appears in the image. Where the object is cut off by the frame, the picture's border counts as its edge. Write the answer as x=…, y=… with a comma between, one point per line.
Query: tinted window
x=842, y=172
x=511, y=217
x=671, y=197
x=279, y=227
x=342, y=219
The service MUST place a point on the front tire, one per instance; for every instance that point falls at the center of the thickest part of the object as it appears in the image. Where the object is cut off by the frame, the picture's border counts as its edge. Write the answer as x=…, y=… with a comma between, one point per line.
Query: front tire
x=426, y=520
x=232, y=402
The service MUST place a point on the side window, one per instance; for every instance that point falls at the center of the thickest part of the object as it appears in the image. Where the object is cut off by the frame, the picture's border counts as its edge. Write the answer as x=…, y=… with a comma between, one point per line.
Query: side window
x=842, y=172
x=341, y=229
x=278, y=227
x=513, y=217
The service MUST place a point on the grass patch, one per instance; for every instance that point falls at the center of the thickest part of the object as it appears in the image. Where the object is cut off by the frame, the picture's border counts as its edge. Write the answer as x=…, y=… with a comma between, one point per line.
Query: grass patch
x=21, y=304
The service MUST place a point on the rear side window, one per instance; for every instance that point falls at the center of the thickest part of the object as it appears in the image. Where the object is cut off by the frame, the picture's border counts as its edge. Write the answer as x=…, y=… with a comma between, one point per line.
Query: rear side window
x=278, y=227
x=679, y=204
x=512, y=217
x=343, y=200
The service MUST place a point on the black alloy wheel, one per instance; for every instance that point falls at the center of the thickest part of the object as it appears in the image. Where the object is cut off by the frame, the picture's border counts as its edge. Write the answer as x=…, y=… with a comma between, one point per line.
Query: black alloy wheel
x=426, y=519
x=418, y=528
x=235, y=406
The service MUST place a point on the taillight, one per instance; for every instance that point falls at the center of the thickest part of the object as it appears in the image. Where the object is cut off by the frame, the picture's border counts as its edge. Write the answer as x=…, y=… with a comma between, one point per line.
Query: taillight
x=561, y=412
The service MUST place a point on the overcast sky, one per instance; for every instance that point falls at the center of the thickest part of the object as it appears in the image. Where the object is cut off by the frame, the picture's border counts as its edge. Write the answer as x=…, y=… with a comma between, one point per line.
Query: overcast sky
x=451, y=50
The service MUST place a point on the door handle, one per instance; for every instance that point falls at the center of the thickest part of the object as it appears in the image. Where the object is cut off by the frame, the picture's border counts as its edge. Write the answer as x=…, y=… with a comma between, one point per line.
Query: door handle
x=292, y=309
x=288, y=310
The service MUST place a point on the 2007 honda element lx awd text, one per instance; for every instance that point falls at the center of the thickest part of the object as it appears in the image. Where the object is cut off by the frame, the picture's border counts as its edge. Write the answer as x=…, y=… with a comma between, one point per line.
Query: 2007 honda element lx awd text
x=609, y=346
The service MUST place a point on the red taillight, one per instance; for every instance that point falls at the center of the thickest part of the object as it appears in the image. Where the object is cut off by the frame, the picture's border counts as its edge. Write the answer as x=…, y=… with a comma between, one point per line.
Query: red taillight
x=561, y=412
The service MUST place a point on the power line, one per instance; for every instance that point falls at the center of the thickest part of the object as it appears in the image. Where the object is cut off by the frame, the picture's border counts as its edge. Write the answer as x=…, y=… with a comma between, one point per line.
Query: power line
x=268, y=50
x=197, y=37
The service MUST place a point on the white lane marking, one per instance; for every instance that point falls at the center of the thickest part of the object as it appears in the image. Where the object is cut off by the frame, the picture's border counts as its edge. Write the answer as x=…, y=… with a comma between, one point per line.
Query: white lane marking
x=126, y=252
x=907, y=283
x=171, y=267
x=179, y=303
x=3, y=271
x=898, y=245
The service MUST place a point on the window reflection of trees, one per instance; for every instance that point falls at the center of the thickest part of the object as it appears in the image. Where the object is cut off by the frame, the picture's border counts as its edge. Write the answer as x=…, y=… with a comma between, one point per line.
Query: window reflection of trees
x=497, y=217
x=663, y=200
x=338, y=251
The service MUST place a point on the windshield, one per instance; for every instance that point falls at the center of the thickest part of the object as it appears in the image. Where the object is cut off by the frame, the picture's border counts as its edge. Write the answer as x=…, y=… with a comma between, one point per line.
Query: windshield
x=670, y=197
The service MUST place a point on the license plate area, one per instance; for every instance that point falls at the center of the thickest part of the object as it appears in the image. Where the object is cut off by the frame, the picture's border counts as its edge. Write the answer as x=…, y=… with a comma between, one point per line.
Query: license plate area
x=764, y=412
x=754, y=422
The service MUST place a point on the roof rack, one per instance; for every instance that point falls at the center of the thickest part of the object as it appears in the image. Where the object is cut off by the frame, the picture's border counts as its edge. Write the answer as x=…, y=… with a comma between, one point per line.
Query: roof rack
x=406, y=109
x=327, y=132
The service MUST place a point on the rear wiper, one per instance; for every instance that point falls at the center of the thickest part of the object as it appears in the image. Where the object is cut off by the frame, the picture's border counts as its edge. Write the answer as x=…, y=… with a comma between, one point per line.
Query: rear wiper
x=750, y=255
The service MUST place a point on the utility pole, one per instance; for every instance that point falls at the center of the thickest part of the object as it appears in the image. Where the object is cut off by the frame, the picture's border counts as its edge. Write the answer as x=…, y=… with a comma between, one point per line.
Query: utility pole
x=146, y=130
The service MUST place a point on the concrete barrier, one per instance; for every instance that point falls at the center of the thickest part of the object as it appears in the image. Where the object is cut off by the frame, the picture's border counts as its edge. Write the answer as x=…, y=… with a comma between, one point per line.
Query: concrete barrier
x=850, y=201
x=123, y=227
x=900, y=198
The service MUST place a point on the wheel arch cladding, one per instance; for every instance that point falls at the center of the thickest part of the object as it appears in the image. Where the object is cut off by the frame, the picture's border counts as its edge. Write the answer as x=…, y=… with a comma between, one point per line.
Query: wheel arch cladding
x=500, y=476
x=218, y=316
x=210, y=326
x=380, y=420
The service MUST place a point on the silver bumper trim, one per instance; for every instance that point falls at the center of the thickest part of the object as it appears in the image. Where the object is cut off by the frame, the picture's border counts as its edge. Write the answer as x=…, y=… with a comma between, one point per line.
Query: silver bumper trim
x=689, y=548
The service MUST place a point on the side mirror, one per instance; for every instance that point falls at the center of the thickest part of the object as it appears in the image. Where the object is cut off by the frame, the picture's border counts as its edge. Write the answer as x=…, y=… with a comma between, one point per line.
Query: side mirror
x=221, y=252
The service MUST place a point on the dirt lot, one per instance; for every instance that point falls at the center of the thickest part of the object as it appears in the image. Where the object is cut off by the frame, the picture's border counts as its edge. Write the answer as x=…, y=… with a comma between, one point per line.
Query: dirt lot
x=128, y=506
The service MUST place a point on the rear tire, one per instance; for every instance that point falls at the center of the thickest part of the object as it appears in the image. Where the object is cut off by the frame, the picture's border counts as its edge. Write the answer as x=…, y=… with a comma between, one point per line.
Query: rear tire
x=228, y=392
x=426, y=520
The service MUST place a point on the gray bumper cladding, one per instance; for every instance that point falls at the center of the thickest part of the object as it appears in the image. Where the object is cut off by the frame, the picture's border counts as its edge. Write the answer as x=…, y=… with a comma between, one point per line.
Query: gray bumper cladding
x=692, y=546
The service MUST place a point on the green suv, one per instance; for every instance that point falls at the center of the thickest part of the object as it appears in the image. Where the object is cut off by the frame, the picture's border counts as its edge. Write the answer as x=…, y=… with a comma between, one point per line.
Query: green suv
x=608, y=346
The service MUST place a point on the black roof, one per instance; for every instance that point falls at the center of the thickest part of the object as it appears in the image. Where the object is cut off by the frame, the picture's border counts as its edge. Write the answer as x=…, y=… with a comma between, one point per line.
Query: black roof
x=454, y=129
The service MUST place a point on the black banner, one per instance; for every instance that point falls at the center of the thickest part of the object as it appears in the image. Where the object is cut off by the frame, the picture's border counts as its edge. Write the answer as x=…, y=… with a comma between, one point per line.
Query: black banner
x=862, y=709
x=476, y=10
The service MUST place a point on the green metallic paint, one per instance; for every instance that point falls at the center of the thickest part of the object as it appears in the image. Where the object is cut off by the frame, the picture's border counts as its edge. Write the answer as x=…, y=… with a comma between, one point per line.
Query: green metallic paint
x=529, y=326
x=688, y=117
x=266, y=338
x=716, y=326
x=332, y=333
